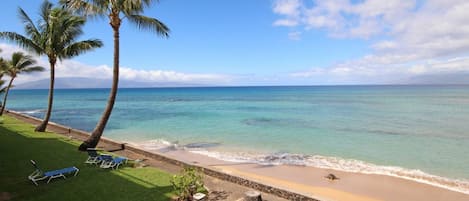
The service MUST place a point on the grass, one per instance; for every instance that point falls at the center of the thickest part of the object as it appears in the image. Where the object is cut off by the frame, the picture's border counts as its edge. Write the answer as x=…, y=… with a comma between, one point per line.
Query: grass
x=19, y=144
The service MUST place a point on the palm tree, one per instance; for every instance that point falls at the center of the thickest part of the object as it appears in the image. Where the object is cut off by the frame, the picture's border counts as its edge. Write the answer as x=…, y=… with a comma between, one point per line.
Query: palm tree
x=54, y=36
x=18, y=64
x=2, y=72
x=116, y=11
x=2, y=66
x=2, y=88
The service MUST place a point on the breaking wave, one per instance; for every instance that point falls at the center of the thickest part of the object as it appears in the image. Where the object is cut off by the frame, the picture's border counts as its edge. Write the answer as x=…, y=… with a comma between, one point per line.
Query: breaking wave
x=335, y=163
x=32, y=111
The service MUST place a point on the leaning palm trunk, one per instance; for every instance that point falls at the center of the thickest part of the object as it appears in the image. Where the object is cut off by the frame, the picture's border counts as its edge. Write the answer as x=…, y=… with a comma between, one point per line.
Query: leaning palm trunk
x=114, y=10
x=6, y=95
x=96, y=134
x=42, y=127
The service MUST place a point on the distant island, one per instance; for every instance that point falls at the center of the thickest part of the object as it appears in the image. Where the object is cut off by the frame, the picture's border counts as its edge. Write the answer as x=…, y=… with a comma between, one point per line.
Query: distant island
x=80, y=82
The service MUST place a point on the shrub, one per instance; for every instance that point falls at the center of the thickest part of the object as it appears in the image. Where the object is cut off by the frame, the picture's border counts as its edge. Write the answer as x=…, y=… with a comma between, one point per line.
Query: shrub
x=187, y=183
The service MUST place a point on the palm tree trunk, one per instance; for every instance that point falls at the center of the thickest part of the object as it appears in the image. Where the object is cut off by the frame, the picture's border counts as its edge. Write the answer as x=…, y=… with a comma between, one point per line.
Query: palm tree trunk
x=96, y=134
x=6, y=95
x=42, y=127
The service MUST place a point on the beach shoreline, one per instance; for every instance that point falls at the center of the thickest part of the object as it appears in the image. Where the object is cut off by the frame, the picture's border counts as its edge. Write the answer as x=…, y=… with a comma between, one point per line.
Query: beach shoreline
x=307, y=181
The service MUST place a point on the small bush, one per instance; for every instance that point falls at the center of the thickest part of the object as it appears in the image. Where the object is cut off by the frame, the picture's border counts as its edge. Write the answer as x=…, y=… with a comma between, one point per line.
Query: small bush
x=187, y=183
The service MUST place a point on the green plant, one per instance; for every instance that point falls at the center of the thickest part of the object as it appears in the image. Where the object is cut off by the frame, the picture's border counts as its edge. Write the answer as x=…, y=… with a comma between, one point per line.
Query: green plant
x=187, y=183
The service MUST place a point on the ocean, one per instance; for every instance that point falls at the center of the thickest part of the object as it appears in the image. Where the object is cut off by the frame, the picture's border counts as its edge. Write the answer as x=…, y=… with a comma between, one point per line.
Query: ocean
x=414, y=132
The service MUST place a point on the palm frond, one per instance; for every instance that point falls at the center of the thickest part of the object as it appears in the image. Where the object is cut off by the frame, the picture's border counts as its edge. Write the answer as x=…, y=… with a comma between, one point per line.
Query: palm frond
x=21, y=63
x=151, y=24
x=70, y=28
x=3, y=66
x=80, y=47
x=45, y=12
x=87, y=8
x=17, y=58
x=2, y=90
x=142, y=3
x=22, y=41
x=129, y=7
x=34, y=69
x=25, y=63
x=30, y=29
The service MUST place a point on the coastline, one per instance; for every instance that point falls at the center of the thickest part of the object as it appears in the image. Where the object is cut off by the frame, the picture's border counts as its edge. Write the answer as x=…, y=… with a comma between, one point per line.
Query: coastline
x=302, y=180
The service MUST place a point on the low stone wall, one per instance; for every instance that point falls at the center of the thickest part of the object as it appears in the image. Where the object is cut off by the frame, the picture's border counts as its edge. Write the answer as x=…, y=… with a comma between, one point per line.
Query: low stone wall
x=208, y=171
x=55, y=126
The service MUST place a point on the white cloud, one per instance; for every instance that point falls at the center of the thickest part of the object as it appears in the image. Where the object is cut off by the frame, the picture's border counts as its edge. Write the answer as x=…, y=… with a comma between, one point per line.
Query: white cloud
x=357, y=72
x=286, y=22
x=412, y=38
x=71, y=68
x=7, y=50
x=342, y=18
x=296, y=35
x=287, y=7
x=290, y=9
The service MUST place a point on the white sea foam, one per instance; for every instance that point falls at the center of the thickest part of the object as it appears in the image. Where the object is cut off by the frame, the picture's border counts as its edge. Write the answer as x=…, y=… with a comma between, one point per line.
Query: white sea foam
x=347, y=165
x=157, y=144
x=335, y=163
x=32, y=111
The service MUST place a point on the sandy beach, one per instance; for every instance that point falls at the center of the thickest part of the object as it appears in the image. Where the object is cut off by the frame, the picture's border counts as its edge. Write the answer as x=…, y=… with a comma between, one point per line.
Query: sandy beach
x=311, y=181
x=308, y=181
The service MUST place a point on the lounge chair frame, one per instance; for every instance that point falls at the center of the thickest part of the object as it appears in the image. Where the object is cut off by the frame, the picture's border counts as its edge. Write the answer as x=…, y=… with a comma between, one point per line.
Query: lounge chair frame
x=114, y=163
x=93, y=156
x=39, y=175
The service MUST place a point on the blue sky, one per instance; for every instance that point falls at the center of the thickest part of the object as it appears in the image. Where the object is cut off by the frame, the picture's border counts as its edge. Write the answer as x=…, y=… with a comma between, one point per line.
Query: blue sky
x=275, y=42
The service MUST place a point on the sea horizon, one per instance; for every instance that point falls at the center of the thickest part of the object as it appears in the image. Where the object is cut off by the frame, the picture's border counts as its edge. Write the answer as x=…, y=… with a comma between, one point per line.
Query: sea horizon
x=415, y=131
x=231, y=86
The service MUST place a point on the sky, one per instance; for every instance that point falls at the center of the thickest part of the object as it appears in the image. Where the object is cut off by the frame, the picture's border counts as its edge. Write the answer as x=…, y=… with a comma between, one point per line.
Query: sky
x=273, y=42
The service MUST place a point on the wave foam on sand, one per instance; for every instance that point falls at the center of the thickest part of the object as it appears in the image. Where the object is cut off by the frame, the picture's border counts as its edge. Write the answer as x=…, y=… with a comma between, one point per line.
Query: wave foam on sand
x=32, y=111
x=325, y=162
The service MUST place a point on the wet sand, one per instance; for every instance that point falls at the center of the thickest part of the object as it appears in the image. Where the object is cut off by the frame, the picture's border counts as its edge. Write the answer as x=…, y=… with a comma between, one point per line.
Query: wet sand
x=311, y=181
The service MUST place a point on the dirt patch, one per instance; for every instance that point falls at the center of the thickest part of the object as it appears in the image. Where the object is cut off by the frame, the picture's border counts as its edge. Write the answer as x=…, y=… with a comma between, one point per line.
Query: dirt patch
x=5, y=196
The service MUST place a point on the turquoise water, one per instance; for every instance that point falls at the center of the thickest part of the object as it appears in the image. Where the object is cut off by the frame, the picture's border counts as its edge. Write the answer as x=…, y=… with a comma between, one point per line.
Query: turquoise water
x=414, y=127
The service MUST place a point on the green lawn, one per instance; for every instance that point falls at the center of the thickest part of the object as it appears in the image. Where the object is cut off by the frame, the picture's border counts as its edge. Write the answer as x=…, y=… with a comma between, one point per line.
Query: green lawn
x=19, y=143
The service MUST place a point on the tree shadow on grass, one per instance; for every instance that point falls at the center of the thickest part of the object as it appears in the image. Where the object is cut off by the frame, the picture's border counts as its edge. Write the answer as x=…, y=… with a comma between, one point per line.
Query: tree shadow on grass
x=51, y=152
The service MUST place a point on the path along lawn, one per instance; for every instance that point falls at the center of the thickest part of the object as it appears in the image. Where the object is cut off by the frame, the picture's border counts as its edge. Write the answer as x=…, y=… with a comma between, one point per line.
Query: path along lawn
x=19, y=144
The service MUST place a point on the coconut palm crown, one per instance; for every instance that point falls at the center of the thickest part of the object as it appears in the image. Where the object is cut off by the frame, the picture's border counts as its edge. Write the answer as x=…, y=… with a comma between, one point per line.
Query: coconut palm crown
x=19, y=64
x=2, y=67
x=54, y=36
x=116, y=11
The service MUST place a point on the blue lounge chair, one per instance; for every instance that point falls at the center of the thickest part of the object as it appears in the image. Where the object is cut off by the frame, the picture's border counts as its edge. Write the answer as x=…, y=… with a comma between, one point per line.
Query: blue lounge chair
x=38, y=174
x=93, y=156
x=105, y=159
x=114, y=163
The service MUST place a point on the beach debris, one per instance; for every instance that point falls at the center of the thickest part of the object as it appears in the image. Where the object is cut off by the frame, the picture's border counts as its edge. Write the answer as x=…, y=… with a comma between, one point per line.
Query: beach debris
x=252, y=196
x=197, y=145
x=199, y=196
x=139, y=163
x=220, y=195
x=332, y=177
